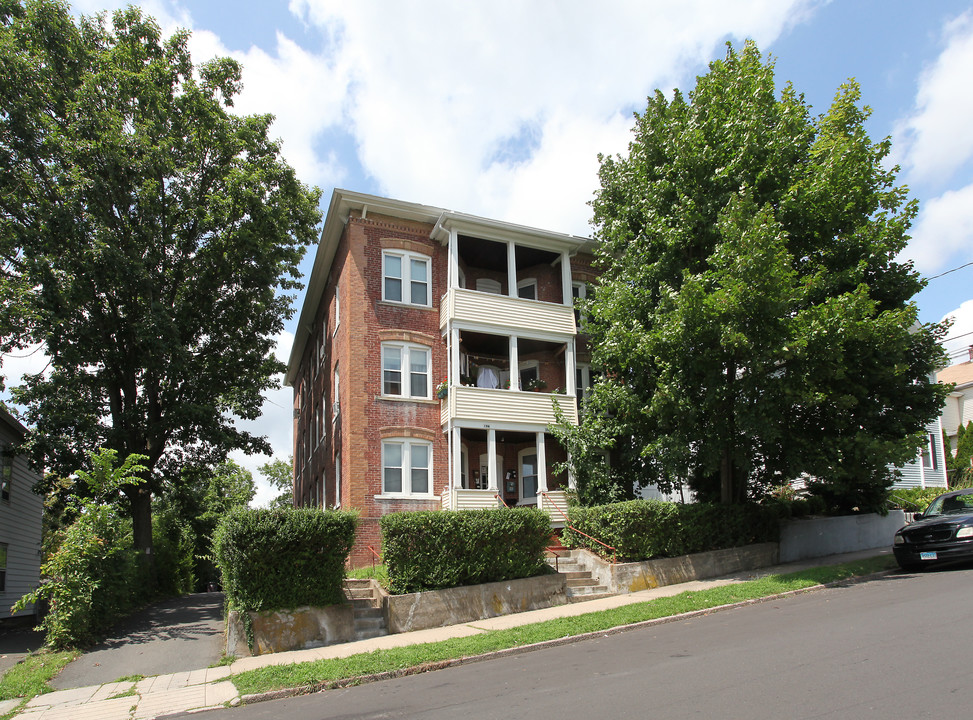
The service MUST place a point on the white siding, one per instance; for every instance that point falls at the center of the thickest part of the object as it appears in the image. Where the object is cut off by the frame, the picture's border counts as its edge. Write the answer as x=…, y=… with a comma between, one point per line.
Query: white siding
x=914, y=475
x=506, y=315
x=20, y=529
x=506, y=408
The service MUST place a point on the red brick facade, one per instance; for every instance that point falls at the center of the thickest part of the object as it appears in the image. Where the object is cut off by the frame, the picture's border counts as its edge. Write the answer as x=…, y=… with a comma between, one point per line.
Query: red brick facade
x=342, y=343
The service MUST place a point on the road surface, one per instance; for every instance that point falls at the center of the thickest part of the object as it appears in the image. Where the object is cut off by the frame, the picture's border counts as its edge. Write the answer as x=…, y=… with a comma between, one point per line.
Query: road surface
x=894, y=647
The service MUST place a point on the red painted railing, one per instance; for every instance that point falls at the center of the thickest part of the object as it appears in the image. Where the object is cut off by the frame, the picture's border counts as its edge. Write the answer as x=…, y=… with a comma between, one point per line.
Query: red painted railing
x=573, y=528
x=375, y=556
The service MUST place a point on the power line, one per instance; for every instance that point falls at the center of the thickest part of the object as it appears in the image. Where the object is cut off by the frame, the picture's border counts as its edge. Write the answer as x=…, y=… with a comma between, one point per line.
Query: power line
x=947, y=272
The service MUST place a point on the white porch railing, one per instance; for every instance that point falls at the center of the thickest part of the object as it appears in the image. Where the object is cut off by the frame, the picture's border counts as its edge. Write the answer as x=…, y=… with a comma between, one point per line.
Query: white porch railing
x=468, y=499
x=555, y=504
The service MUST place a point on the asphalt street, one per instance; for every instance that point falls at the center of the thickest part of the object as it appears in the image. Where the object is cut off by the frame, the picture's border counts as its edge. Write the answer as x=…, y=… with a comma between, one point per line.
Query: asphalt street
x=891, y=647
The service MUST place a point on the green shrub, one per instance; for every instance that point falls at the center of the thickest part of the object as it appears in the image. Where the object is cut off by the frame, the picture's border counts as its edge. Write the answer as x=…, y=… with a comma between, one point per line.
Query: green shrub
x=173, y=543
x=914, y=499
x=283, y=559
x=646, y=529
x=429, y=550
x=91, y=579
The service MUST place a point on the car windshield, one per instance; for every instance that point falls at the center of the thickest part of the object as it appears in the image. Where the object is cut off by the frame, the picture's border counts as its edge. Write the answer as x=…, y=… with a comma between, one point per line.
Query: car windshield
x=950, y=505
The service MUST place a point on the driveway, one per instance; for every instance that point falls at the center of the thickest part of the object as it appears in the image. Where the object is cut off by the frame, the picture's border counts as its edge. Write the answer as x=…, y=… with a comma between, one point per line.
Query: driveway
x=171, y=636
x=16, y=640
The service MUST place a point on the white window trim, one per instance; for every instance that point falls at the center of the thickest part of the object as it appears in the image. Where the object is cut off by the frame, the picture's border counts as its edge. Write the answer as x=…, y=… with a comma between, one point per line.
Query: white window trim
x=520, y=471
x=406, y=381
x=337, y=311
x=337, y=480
x=407, y=445
x=335, y=402
x=527, y=282
x=406, y=279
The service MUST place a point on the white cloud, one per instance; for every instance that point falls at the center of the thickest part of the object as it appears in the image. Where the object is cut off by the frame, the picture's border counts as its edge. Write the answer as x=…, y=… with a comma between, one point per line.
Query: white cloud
x=943, y=233
x=304, y=91
x=276, y=423
x=439, y=91
x=961, y=332
x=28, y=361
x=937, y=138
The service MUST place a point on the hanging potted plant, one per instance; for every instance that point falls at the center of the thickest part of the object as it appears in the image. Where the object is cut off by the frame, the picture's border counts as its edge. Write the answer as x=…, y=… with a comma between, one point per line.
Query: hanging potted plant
x=442, y=390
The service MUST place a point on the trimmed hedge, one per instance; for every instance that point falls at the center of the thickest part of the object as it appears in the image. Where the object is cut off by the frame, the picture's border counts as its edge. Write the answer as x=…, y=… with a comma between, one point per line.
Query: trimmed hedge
x=283, y=559
x=429, y=550
x=647, y=529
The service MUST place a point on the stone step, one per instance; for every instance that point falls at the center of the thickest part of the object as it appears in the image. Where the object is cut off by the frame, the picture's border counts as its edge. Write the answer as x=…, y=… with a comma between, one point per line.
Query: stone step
x=367, y=613
x=578, y=583
x=370, y=633
x=589, y=596
x=359, y=592
x=376, y=623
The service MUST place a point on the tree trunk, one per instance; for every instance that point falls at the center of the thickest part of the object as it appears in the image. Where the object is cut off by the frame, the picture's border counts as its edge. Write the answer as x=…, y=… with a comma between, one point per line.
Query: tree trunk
x=726, y=476
x=140, y=499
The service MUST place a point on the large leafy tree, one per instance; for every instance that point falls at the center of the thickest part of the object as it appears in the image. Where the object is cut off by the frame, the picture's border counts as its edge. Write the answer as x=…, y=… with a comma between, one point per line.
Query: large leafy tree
x=149, y=239
x=752, y=321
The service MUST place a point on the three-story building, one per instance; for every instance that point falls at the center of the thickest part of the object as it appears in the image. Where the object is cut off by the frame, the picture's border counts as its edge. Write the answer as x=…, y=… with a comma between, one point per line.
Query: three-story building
x=432, y=348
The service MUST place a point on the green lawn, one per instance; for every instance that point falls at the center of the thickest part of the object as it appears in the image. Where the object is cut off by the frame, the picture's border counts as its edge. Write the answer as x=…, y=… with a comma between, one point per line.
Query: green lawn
x=321, y=672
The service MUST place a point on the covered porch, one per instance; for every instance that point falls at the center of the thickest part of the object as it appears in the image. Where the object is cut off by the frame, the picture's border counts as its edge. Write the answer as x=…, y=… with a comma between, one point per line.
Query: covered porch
x=492, y=467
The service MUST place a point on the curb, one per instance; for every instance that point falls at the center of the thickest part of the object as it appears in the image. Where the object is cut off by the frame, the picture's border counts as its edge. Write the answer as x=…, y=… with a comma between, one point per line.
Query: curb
x=312, y=688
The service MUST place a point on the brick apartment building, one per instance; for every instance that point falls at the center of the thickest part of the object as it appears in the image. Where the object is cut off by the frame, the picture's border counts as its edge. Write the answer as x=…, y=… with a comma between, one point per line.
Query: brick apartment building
x=404, y=298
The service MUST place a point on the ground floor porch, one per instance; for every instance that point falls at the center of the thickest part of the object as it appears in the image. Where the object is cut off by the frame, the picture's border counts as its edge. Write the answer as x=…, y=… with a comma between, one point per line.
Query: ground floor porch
x=495, y=467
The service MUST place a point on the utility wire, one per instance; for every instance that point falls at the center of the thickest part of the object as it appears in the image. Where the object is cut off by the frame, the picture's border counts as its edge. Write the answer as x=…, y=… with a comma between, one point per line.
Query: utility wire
x=947, y=272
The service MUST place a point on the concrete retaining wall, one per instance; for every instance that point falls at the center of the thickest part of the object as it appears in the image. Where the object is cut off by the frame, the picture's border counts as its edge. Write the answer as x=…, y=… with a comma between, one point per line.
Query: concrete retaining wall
x=817, y=537
x=299, y=629
x=632, y=577
x=438, y=608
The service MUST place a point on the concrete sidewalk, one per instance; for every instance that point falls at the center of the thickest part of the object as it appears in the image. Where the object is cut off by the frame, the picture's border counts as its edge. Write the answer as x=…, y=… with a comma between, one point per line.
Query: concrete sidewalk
x=212, y=687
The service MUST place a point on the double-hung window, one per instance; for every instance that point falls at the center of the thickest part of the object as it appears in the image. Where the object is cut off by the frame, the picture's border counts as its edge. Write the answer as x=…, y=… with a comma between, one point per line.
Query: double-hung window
x=406, y=467
x=405, y=277
x=6, y=472
x=405, y=371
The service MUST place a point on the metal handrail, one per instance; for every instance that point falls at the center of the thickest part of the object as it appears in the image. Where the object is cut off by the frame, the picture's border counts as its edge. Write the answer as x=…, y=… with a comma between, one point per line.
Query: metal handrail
x=375, y=555
x=568, y=523
x=499, y=497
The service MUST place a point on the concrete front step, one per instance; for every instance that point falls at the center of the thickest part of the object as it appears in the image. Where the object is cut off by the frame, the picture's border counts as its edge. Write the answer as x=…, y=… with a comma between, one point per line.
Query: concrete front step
x=589, y=596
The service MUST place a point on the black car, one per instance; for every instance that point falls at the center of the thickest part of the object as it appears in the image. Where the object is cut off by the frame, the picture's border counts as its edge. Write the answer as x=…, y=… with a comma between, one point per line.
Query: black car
x=942, y=533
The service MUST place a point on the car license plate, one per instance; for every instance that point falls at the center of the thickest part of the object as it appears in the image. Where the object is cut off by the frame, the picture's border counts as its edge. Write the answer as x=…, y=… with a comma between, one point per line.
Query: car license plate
x=927, y=556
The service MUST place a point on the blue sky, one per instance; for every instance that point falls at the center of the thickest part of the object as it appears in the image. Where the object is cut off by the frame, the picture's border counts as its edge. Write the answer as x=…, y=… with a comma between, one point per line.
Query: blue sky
x=500, y=108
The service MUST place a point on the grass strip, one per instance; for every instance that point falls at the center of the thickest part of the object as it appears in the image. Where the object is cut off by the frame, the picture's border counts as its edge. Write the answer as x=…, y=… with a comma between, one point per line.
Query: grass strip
x=322, y=671
x=31, y=675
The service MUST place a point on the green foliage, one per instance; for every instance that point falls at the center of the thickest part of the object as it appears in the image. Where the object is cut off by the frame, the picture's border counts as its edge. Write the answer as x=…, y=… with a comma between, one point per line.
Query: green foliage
x=174, y=545
x=280, y=474
x=93, y=577
x=914, y=499
x=964, y=449
x=151, y=240
x=283, y=559
x=751, y=322
x=646, y=529
x=432, y=549
x=196, y=501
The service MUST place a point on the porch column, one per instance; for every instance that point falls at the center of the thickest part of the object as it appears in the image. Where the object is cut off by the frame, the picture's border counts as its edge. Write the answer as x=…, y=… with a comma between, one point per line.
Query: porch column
x=457, y=469
x=572, y=481
x=514, y=363
x=492, y=459
x=453, y=259
x=541, y=463
x=455, y=378
x=570, y=370
x=566, y=279
x=511, y=269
